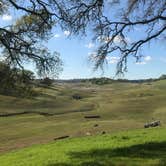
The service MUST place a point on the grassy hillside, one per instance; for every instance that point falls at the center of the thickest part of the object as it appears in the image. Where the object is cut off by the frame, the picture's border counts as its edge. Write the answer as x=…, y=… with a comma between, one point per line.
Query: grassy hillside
x=54, y=113
x=146, y=147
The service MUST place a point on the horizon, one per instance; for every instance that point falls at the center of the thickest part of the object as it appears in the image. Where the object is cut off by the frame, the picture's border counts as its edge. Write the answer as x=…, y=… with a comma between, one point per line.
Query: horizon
x=120, y=78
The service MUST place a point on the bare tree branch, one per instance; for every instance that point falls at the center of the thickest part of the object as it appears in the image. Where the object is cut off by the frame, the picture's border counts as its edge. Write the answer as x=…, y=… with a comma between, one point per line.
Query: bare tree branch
x=21, y=41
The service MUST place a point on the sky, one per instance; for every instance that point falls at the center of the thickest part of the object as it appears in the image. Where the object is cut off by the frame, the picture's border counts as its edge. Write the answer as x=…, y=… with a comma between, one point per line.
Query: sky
x=75, y=51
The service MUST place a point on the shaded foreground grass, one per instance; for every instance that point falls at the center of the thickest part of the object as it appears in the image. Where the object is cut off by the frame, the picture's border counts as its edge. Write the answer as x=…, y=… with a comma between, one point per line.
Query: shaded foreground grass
x=145, y=147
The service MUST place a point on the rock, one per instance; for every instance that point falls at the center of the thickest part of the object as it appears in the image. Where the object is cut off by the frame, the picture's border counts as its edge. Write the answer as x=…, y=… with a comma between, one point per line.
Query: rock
x=88, y=133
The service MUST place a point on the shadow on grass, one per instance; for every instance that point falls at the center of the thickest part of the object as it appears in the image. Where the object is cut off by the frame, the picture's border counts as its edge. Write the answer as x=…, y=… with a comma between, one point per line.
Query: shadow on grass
x=82, y=164
x=59, y=164
x=153, y=150
x=132, y=154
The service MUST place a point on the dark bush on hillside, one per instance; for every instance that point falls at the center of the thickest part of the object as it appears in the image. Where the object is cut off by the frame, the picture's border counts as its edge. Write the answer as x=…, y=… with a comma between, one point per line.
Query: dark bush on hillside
x=101, y=81
x=163, y=77
x=76, y=97
x=47, y=81
x=145, y=94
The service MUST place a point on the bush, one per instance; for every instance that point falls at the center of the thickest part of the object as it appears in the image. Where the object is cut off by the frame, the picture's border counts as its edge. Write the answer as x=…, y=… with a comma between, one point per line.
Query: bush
x=47, y=81
x=162, y=77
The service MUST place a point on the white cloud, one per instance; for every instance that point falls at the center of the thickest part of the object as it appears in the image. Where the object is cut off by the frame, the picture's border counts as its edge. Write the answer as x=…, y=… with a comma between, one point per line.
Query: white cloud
x=66, y=33
x=141, y=63
x=6, y=17
x=148, y=58
x=145, y=60
x=117, y=39
x=113, y=59
x=2, y=58
x=103, y=39
x=90, y=45
x=57, y=35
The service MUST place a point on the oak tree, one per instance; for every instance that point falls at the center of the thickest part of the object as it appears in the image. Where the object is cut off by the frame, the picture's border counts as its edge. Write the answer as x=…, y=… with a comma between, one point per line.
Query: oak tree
x=111, y=21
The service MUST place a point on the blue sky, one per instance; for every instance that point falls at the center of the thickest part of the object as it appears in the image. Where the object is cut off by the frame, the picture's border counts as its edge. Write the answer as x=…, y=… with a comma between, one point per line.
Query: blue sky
x=74, y=53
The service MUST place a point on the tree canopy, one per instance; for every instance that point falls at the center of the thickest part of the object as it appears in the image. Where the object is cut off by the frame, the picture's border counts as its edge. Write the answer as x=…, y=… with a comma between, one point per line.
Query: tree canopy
x=111, y=21
x=15, y=81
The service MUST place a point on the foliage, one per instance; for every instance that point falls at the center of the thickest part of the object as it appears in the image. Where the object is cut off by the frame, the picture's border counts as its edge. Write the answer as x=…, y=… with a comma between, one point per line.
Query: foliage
x=15, y=81
x=22, y=41
x=112, y=21
x=162, y=77
x=101, y=81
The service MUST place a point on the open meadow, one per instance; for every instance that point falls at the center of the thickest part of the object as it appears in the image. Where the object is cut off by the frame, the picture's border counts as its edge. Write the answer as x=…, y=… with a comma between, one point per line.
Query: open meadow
x=82, y=83
x=60, y=110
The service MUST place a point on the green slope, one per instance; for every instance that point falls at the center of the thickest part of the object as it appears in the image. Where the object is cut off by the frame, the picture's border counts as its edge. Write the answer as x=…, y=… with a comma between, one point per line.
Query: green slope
x=144, y=147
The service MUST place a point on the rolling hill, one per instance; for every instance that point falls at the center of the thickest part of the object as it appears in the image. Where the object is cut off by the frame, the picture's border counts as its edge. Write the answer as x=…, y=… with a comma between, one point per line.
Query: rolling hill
x=60, y=110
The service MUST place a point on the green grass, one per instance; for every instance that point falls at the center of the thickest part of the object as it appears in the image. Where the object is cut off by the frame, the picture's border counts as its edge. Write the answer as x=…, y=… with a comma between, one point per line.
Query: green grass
x=122, y=106
x=146, y=147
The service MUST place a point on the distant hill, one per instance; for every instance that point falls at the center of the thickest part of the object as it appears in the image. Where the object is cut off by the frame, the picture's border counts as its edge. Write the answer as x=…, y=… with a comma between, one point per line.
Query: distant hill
x=106, y=80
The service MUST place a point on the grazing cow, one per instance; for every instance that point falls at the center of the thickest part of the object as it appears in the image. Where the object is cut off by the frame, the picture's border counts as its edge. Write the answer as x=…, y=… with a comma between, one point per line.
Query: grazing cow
x=155, y=123
x=152, y=124
x=146, y=125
